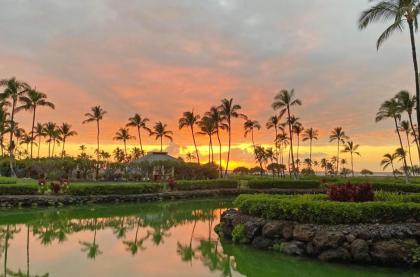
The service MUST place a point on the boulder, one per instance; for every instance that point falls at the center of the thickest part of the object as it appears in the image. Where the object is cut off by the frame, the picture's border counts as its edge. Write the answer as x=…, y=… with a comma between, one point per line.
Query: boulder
x=339, y=254
x=360, y=251
x=327, y=239
x=287, y=231
x=389, y=252
x=303, y=232
x=261, y=242
x=273, y=229
x=253, y=227
x=293, y=248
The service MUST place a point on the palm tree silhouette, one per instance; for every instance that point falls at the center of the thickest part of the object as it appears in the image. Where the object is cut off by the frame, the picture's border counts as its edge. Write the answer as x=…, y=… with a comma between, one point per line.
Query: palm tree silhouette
x=124, y=135
x=297, y=129
x=310, y=134
x=388, y=160
x=337, y=134
x=406, y=128
x=351, y=148
x=65, y=131
x=390, y=109
x=96, y=115
x=51, y=131
x=3, y=124
x=283, y=101
x=39, y=132
x=92, y=248
x=30, y=102
x=140, y=123
x=228, y=111
x=189, y=119
x=274, y=122
x=216, y=116
x=208, y=128
x=249, y=127
x=14, y=89
x=136, y=244
x=160, y=132
x=399, y=12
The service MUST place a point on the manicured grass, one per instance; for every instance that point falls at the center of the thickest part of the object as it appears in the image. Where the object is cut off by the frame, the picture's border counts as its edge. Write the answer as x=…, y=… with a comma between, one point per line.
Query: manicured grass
x=318, y=209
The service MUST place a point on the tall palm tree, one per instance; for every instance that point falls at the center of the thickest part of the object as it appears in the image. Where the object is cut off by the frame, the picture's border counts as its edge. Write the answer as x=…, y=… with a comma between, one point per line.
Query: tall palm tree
x=30, y=102
x=274, y=122
x=407, y=103
x=124, y=135
x=52, y=132
x=390, y=109
x=189, y=119
x=13, y=90
x=406, y=128
x=4, y=115
x=351, y=148
x=96, y=114
x=208, y=128
x=229, y=111
x=282, y=140
x=310, y=134
x=216, y=116
x=398, y=12
x=297, y=129
x=388, y=160
x=65, y=131
x=283, y=101
x=249, y=127
x=160, y=132
x=39, y=133
x=140, y=123
x=337, y=134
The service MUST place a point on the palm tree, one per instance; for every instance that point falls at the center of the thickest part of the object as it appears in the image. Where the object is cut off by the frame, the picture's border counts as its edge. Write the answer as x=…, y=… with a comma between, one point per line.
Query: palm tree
x=249, y=126
x=310, y=134
x=282, y=140
x=96, y=115
x=388, y=160
x=274, y=122
x=407, y=103
x=39, y=132
x=216, y=116
x=208, y=128
x=339, y=135
x=124, y=135
x=390, y=109
x=30, y=102
x=351, y=148
x=283, y=101
x=399, y=12
x=159, y=131
x=65, y=131
x=13, y=90
x=297, y=129
x=229, y=111
x=3, y=124
x=406, y=128
x=140, y=123
x=51, y=131
x=189, y=119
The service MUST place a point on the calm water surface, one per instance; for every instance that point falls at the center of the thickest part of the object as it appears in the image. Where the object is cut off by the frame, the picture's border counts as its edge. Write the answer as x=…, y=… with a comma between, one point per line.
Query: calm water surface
x=157, y=239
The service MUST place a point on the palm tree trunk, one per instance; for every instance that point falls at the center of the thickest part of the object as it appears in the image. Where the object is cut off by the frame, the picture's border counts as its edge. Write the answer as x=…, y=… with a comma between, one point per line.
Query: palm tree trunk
x=209, y=149
x=195, y=144
x=97, y=150
x=416, y=73
x=393, y=169
x=212, y=152
x=416, y=139
x=161, y=143
x=252, y=137
x=409, y=152
x=310, y=151
x=39, y=144
x=125, y=148
x=352, y=169
x=140, y=143
x=338, y=156
x=62, y=150
x=297, y=153
x=230, y=140
x=291, y=141
x=53, y=148
x=402, y=147
x=220, y=152
x=32, y=130
x=11, y=148
x=275, y=144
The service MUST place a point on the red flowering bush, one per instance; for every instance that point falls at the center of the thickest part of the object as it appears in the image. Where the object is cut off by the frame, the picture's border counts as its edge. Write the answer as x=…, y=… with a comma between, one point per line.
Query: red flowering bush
x=171, y=184
x=350, y=193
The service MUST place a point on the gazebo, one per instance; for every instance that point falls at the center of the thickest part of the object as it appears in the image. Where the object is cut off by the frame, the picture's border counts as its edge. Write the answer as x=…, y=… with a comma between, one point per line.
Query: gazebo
x=159, y=170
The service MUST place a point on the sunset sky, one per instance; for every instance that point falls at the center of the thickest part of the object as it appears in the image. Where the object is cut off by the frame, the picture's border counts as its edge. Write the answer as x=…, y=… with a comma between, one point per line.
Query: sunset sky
x=161, y=58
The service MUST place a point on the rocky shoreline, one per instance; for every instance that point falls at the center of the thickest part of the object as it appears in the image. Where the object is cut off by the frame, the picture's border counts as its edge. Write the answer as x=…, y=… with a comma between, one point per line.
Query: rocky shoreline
x=381, y=244
x=9, y=201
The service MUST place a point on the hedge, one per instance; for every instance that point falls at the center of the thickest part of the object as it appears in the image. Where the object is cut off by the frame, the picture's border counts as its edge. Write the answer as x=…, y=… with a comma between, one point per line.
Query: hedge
x=18, y=189
x=392, y=187
x=206, y=184
x=286, y=184
x=317, y=209
x=8, y=180
x=113, y=188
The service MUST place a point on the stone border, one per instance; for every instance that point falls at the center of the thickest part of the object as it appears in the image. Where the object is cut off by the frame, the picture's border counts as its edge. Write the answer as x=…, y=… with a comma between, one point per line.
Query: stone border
x=8, y=201
x=381, y=244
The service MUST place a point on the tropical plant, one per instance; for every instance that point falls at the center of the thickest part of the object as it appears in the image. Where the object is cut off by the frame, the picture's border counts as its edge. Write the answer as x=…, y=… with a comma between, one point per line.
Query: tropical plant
x=140, y=123
x=208, y=128
x=398, y=12
x=189, y=119
x=249, y=127
x=216, y=117
x=39, y=133
x=160, y=131
x=274, y=122
x=123, y=135
x=337, y=134
x=52, y=132
x=388, y=160
x=65, y=132
x=297, y=129
x=350, y=147
x=310, y=134
x=283, y=101
x=406, y=128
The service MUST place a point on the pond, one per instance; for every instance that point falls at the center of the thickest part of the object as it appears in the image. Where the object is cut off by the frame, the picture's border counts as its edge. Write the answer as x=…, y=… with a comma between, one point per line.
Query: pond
x=154, y=239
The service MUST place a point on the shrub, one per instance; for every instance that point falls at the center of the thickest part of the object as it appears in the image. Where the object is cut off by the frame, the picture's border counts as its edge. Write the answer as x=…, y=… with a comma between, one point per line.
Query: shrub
x=350, y=193
x=18, y=189
x=7, y=180
x=383, y=186
x=397, y=197
x=317, y=209
x=206, y=184
x=238, y=233
x=113, y=188
x=286, y=184
x=366, y=172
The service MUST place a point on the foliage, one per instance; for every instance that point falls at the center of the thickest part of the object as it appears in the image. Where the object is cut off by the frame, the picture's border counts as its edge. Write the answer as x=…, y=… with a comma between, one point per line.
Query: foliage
x=241, y=170
x=238, y=233
x=350, y=193
x=113, y=188
x=206, y=184
x=366, y=172
x=286, y=184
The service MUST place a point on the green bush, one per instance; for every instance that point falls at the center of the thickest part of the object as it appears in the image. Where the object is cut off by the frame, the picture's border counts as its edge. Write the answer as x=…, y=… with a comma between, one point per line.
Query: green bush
x=18, y=189
x=7, y=180
x=206, y=184
x=316, y=209
x=285, y=184
x=392, y=187
x=238, y=233
x=113, y=188
x=397, y=197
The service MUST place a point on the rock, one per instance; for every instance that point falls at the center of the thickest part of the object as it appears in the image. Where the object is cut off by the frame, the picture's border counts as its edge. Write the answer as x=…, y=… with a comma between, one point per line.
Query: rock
x=311, y=249
x=360, y=251
x=287, y=232
x=303, y=232
x=273, y=229
x=350, y=238
x=389, y=252
x=292, y=248
x=335, y=255
x=261, y=242
x=253, y=227
x=330, y=239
